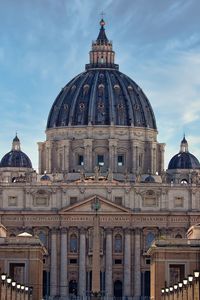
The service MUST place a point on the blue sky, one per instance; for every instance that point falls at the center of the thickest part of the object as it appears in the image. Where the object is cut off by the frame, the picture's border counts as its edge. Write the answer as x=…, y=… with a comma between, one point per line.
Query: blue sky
x=44, y=43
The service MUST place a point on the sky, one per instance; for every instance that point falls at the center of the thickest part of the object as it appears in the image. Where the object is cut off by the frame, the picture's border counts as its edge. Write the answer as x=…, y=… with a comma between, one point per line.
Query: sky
x=45, y=43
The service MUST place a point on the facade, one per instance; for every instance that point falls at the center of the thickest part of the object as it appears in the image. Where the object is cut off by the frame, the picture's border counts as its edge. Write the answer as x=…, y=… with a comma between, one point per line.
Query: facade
x=101, y=195
x=175, y=266
x=22, y=258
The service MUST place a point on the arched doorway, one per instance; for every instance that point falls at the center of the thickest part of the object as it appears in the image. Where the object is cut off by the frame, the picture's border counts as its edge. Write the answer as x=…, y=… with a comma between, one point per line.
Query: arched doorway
x=118, y=289
x=73, y=288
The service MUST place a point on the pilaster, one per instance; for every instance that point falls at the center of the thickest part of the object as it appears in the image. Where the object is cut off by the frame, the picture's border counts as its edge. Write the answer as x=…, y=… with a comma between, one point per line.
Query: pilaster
x=82, y=262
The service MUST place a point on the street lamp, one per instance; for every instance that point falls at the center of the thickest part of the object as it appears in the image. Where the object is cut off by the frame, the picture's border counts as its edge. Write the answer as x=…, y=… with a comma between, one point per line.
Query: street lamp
x=18, y=291
x=196, y=284
x=191, y=288
x=3, y=286
x=3, y=277
x=185, y=282
x=26, y=292
x=175, y=291
x=13, y=291
x=22, y=291
x=162, y=293
x=8, y=281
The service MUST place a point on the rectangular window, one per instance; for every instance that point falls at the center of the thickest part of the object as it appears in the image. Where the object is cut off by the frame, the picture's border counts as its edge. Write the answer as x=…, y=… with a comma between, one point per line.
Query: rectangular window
x=100, y=160
x=118, y=200
x=12, y=201
x=176, y=273
x=178, y=202
x=118, y=261
x=148, y=261
x=120, y=160
x=73, y=200
x=73, y=261
x=80, y=160
x=17, y=271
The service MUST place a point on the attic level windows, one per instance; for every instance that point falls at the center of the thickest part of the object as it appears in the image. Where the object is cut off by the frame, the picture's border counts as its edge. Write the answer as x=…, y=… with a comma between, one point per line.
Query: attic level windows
x=80, y=160
x=120, y=160
x=100, y=160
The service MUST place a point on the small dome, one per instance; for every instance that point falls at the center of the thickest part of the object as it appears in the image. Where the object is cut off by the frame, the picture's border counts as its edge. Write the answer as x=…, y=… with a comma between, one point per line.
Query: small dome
x=15, y=158
x=184, y=159
x=45, y=177
x=149, y=179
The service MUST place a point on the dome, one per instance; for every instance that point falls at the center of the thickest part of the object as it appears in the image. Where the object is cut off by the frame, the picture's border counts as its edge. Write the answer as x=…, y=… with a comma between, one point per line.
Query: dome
x=184, y=159
x=15, y=158
x=101, y=95
x=149, y=179
x=45, y=177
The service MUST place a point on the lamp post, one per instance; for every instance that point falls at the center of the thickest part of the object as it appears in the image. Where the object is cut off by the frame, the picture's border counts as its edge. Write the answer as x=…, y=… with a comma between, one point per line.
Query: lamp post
x=31, y=292
x=22, y=292
x=190, y=287
x=170, y=293
x=8, y=287
x=18, y=291
x=196, y=285
x=3, y=286
x=180, y=290
x=13, y=288
x=167, y=293
x=185, y=289
x=163, y=294
x=175, y=291
x=26, y=292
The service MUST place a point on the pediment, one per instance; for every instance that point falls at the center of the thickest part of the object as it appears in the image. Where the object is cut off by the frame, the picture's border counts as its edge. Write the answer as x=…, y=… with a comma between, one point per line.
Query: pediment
x=87, y=206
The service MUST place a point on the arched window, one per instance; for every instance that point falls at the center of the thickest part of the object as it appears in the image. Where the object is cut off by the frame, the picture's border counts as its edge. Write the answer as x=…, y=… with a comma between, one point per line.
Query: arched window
x=184, y=181
x=42, y=237
x=73, y=243
x=178, y=236
x=118, y=243
x=149, y=239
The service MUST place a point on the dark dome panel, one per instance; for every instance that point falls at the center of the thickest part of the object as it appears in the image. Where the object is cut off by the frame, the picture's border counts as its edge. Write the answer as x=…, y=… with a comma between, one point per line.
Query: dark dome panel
x=16, y=159
x=101, y=97
x=184, y=160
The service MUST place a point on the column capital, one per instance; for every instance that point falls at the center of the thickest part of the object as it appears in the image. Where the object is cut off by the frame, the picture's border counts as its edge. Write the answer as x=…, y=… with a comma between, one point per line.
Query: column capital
x=63, y=230
x=82, y=230
x=87, y=142
x=54, y=230
x=137, y=230
x=127, y=230
x=108, y=230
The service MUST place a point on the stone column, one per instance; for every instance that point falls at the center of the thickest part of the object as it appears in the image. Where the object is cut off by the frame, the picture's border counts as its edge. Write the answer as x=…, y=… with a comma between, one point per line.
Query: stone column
x=63, y=264
x=132, y=157
x=162, y=152
x=109, y=281
x=112, y=155
x=53, y=267
x=82, y=263
x=152, y=158
x=96, y=256
x=88, y=155
x=137, y=258
x=127, y=263
x=40, y=146
x=66, y=147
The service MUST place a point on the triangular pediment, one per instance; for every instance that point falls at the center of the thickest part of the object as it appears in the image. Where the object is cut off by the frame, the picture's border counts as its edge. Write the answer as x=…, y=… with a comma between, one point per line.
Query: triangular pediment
x=87, y=206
